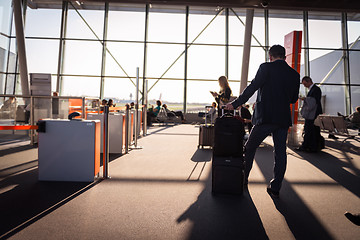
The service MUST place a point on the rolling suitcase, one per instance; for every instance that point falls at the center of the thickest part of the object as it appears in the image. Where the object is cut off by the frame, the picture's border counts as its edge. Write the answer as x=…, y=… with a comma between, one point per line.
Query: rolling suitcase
x=206, y=135
x=229, y=136
x=206, y=132
x=228, y=161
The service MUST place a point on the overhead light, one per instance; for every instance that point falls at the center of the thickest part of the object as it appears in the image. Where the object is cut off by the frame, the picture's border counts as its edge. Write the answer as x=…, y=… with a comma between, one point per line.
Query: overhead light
x=78, y=3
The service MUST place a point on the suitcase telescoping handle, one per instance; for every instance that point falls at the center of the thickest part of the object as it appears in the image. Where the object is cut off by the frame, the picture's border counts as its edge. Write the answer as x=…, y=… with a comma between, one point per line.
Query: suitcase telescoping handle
x=227, y=113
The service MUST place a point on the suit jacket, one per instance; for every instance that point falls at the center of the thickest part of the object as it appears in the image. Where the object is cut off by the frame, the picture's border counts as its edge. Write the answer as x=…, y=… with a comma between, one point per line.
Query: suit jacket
x=315, y=92
x=278, y=86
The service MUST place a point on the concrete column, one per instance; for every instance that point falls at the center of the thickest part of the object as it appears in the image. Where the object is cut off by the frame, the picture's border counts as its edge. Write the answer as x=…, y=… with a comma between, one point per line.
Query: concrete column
x=247, y=46
x=20, y=41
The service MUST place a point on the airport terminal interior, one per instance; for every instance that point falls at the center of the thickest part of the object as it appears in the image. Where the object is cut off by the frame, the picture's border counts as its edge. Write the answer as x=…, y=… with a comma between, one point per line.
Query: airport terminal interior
x=74, y=166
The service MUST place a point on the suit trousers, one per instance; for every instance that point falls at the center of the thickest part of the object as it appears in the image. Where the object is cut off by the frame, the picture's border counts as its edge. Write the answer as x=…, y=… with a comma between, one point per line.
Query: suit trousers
x=309, y=136
x=257, y=135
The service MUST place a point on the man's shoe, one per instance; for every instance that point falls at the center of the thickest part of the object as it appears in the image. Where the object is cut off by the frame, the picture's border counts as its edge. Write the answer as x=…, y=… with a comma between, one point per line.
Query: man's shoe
x=272, y=193
x=333, y=136
x=301, y=149
x=354, y=218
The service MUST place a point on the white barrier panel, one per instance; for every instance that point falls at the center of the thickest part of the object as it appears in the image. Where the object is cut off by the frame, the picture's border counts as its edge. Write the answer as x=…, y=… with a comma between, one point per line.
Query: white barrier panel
x=69, y=150
x=115, y=130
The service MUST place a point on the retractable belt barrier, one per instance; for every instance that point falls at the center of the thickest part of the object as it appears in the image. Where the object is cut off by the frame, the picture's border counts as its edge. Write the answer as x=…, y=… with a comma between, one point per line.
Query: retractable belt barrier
x=22, y=127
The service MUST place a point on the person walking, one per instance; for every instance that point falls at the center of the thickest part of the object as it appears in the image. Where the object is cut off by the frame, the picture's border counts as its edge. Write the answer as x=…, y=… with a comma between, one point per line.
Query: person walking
x=277, y=86
x=311, y=137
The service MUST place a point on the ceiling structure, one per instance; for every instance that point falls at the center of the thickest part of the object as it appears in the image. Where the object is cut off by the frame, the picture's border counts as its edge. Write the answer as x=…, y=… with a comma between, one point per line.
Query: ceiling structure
x=303, y=5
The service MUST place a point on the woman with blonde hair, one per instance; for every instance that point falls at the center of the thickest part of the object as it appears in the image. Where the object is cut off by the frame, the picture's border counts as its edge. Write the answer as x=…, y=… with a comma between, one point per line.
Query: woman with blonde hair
x=225, y=92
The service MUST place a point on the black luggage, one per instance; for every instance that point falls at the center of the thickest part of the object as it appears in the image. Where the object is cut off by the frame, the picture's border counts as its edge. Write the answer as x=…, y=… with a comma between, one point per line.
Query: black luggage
x=227, y=175
x=229, y=136
x=228, y=161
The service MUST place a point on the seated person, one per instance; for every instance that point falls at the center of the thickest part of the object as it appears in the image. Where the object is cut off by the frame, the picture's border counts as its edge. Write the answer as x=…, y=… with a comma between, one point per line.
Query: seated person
x=353, y=120
x=174, y=113
x=8, y=109
x=110, y=103
x=355, y=117
x=153, y=112
x=104, y=102
x=9, y=104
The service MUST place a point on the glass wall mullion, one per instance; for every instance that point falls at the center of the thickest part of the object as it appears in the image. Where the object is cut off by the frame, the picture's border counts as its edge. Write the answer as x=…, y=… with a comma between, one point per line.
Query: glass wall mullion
x=345, y=46
x=306, y=43
x=266, y=19
x=227, y=43
x=8, y=57
x=103, y=60
x=145, y=51
x=64, y=15
x=186, y=57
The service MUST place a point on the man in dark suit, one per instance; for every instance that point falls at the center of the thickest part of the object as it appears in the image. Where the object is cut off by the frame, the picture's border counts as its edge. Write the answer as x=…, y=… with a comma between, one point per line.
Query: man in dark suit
x=311, y=138
x=278, y=87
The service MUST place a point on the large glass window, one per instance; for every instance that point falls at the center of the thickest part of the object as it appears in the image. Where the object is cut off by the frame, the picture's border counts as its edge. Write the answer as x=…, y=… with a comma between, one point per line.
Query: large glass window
x=11, y=66
x=83, y=57
x=334, y=99
x=354, y=51
x=235, y=62
x=288, y=24
x=5, y=17
x=167, y=91
x=206, y=62
x=198, y=91
x=126, y=25
x=236, y=26
x=165, y=62
x=328, y=68
x=10, y=83
x=4, y=46
x=207, y=28
x=354, y=58
x=353, y=31
x=85, y=24
x=324, y=32
x=42, y=55
x=119, y=88
x=122, y=58
x=166, y=27
x=81, y=86
x=355, y=98
x=43, y=23
x=5, y=24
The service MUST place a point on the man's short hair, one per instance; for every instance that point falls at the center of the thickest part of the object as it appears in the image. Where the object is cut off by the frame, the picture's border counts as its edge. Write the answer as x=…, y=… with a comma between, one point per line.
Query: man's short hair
x=306, y=79
x=277, y=51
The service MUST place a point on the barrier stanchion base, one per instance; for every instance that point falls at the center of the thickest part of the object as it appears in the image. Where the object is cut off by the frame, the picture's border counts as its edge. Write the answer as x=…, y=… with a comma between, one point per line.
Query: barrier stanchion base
x=136, y=147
